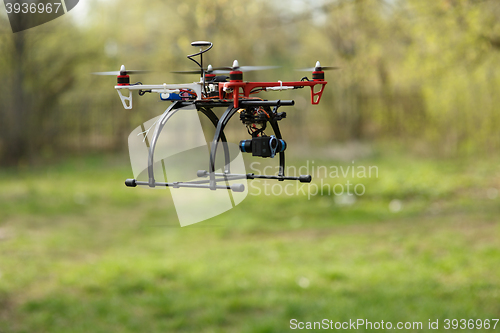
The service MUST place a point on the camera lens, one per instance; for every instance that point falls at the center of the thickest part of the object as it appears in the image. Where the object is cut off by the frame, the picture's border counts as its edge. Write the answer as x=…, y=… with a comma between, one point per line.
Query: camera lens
x=246, y=146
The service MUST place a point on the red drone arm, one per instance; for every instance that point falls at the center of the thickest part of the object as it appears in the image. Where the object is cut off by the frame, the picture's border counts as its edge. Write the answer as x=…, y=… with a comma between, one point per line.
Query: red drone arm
x=249, y=86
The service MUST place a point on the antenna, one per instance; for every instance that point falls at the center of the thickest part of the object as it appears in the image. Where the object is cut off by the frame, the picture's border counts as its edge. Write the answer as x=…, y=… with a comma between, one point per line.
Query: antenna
x=201, y=44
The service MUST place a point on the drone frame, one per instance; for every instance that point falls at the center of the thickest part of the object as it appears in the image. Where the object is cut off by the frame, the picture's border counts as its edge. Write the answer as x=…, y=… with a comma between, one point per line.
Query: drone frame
x=229, y=96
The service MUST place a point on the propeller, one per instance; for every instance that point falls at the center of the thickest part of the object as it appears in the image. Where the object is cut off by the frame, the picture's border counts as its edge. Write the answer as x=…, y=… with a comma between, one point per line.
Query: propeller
x=226, y=70
x=122, y=71
x=317, y=68
x=236, y=67
x=209, y=70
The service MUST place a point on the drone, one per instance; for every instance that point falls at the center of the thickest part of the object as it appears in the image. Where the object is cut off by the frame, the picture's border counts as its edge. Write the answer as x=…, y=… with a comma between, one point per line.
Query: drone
x=236, y=95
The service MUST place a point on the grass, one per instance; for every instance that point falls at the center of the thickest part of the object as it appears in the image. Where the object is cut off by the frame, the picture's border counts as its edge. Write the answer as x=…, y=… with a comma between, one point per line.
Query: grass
x=80, y=252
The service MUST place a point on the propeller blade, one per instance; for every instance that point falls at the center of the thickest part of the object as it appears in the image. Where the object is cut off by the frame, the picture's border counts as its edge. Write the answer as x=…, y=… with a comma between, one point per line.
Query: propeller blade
x=312, y=69
x=115, y=73
x=197, y=71
x=226, y=70
x=243, y=68
x=136, y=72
x=209, y=70
x=127, y=72
x=256, y=68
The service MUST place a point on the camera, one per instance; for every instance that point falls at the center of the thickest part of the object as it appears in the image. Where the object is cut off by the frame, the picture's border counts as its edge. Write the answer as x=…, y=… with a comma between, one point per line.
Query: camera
x=263, y=146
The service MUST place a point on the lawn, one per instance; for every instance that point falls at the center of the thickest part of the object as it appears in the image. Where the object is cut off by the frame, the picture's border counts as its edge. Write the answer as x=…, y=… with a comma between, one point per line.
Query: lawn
x=80, y=252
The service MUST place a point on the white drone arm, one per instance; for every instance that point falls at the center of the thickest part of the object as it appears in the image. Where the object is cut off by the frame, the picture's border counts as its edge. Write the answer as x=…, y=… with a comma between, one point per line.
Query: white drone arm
x=156, y=88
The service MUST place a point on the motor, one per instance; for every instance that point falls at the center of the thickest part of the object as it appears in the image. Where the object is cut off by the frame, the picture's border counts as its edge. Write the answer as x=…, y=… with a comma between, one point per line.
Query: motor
x=263, y=146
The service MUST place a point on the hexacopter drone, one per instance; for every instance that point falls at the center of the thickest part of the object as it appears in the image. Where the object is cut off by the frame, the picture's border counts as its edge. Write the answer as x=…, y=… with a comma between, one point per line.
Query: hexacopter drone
x=214, y=91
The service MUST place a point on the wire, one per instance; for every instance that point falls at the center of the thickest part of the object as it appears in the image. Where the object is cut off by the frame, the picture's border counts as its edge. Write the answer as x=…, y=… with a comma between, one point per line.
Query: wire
x=189, y=91
x=256, y=90
x=262, y=110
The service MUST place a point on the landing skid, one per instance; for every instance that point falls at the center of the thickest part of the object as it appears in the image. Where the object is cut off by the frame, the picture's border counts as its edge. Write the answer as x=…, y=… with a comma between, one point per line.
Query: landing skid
x=219, y=124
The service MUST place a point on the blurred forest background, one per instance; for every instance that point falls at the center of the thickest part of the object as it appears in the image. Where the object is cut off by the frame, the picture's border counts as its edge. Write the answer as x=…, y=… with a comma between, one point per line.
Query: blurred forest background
x=416, y=97
x=423, y=74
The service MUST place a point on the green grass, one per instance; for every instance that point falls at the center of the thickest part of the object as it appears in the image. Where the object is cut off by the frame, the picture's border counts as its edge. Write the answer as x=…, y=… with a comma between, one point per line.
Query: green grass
x=80, y=252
